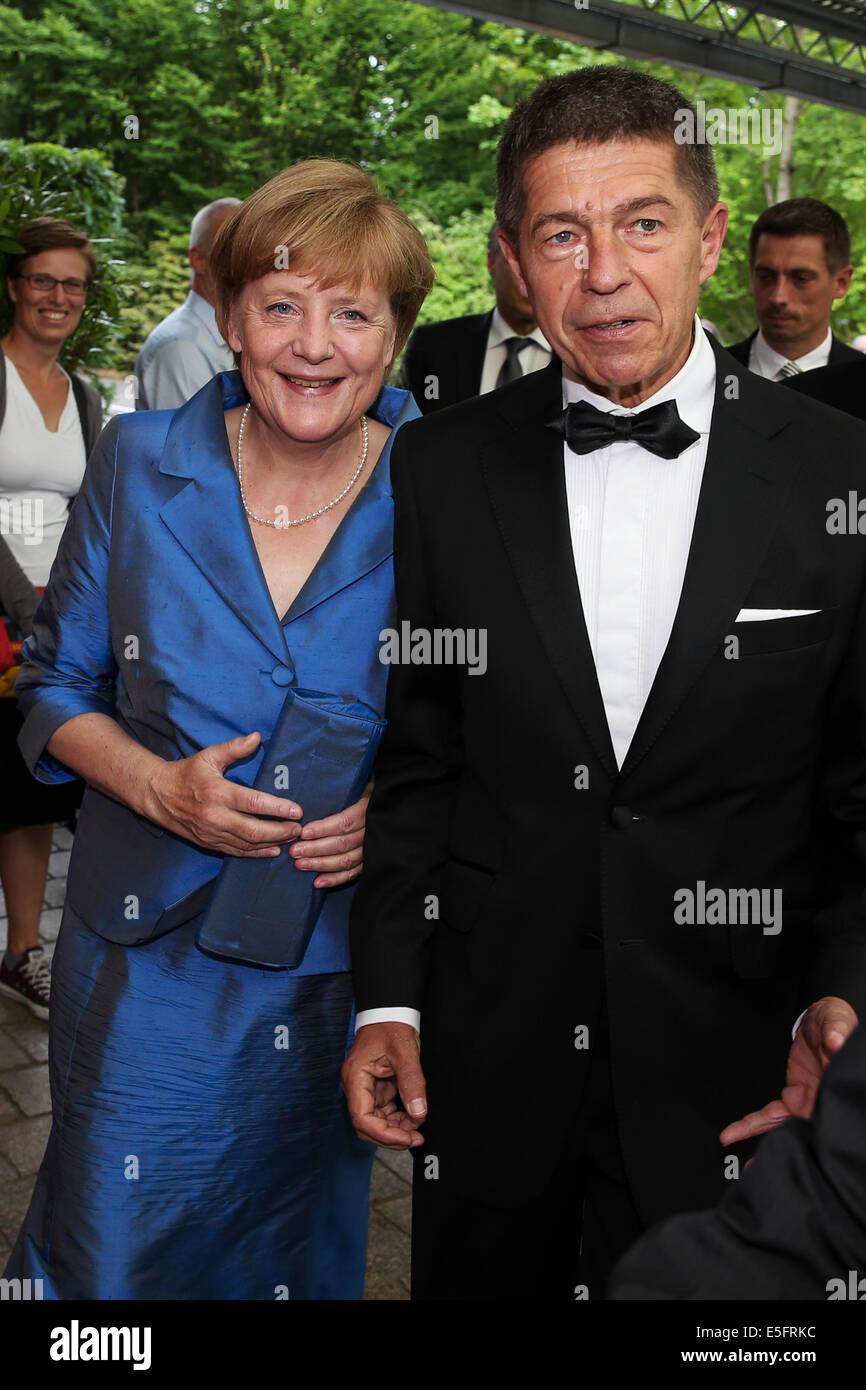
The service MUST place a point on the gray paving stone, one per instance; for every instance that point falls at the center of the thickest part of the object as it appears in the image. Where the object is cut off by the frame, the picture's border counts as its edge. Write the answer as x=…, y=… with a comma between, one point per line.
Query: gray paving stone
x=387, y=1184
x=58, y=863
x=29, y=1089
x=49, y=923
x=387, y=1261
x=62, y=838
x=7, y=1172
x=399, y=1161
x=24, y=1143
x=14, y=1201
x=398, y=1211
x=11, y=1054
x=32, y=1036
x=5, y=1252
x=55, y=892
x=9, y=1113
x=12, y=1012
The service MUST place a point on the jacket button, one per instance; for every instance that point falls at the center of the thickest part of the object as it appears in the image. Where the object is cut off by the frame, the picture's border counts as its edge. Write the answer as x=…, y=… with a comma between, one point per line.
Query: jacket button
x=281, y=675
x=622, y=816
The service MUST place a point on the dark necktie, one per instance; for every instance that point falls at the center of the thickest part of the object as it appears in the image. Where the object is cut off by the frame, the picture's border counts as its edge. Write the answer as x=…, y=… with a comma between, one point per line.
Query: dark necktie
x=511, y=369
x=658, y=429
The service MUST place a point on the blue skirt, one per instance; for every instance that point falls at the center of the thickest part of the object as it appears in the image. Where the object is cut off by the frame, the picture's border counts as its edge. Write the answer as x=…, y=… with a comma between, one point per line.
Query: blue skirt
x=200, y=1145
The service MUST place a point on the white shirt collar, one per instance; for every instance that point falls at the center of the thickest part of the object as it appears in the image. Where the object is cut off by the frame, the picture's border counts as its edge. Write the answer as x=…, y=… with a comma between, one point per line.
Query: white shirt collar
x=769, y=362
x=500, y=330
x=693, y=388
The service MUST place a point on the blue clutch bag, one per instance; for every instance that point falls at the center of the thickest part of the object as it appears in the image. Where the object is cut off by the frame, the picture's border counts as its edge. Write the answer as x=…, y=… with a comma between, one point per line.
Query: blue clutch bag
x=321, y=755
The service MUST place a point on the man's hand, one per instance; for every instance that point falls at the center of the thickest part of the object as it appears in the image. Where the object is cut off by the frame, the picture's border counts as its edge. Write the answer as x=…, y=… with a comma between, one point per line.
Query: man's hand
x=383, y=1063
x=826, y=1026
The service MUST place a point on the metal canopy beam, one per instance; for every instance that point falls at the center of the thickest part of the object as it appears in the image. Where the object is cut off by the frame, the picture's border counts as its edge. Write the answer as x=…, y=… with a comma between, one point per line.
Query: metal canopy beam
x=792, y=31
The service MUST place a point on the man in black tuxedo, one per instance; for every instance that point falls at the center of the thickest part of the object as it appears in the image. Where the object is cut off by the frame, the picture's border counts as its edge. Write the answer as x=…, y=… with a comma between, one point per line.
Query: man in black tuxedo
x=792, y=1227
x=459, y=358
x=799, y=258
x=611, y=858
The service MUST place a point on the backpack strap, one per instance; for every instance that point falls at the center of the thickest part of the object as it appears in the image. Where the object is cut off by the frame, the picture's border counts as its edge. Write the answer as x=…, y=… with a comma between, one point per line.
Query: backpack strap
x=80, y=395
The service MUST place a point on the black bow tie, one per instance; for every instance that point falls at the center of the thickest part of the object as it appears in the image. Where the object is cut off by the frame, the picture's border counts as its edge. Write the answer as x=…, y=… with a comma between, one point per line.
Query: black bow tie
x=658, y=429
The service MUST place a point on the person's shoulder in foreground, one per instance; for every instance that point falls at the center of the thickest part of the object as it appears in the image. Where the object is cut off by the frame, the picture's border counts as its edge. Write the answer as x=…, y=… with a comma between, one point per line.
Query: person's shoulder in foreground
x=792, y=1227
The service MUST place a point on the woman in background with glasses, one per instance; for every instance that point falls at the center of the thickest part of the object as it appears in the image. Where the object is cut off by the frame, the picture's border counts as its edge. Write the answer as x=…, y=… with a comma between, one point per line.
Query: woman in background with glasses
x=49, y=422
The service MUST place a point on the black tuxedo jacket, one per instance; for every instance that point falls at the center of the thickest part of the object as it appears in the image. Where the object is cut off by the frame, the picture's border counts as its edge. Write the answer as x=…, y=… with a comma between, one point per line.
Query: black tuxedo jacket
x=842, y=386
x=839, y=351
x=500, y=894
x=444, y=361
x=792, y=1227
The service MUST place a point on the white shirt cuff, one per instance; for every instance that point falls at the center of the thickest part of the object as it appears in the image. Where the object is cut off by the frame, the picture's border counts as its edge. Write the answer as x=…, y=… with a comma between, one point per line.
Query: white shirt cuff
x=796, y=1028
x=395, y=1015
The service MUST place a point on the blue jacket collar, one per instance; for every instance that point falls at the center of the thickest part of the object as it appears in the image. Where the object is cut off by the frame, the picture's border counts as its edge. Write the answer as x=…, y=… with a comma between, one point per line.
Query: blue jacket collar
x=207, y=517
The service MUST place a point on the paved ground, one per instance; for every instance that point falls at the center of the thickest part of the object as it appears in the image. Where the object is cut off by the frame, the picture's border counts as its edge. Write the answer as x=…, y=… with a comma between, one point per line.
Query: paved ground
x=25, y=1119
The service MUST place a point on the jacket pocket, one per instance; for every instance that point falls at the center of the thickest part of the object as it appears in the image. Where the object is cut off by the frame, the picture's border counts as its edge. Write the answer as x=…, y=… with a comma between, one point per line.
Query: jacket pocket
x=762, y=638
x=130, y=881
x=463, y=892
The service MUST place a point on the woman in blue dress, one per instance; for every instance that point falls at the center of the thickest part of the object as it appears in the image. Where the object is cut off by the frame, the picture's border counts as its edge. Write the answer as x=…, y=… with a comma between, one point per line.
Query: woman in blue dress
x=221, y=562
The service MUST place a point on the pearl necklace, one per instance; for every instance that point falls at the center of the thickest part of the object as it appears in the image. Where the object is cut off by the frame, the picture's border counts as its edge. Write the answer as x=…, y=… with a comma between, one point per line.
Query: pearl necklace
x=298, y=521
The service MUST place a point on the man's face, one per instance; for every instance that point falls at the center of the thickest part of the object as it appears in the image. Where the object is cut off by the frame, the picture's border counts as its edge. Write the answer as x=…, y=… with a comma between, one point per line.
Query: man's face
x=794, y=291
x=612, y=257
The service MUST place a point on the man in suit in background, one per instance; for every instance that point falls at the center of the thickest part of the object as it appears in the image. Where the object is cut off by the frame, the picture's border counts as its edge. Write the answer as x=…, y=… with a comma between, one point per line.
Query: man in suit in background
x=614, y=854
x=792, y=1227
x=186, y=350
x=451, y=361
x=799, y=257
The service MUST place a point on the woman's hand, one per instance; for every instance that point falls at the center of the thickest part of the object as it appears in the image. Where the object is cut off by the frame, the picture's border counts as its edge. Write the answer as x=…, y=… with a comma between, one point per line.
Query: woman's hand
x=192, y=798
x=334, y=846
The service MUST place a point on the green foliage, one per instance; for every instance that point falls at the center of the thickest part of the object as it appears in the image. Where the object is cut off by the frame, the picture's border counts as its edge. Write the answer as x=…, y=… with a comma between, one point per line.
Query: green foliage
x=45, y=180
x=224, y=93
x=153, y=285
x=459, y=254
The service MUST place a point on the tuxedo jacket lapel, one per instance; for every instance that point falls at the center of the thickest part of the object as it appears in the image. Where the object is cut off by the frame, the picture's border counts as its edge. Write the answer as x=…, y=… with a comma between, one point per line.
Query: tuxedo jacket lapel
x=525, y=479
x=741, y=496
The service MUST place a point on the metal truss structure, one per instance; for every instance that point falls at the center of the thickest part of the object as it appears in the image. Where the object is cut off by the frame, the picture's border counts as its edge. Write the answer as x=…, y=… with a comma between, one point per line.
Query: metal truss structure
x=812, y=49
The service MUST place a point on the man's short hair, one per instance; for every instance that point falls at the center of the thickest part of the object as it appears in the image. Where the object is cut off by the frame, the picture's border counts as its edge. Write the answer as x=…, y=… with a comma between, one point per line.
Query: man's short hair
x=201, y=230
x=592, y=106
x=493, y=240
x=806, y=217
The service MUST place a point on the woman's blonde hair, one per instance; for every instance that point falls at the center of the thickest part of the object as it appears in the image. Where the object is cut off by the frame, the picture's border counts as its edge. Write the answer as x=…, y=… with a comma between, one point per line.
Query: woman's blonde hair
x=324, y=218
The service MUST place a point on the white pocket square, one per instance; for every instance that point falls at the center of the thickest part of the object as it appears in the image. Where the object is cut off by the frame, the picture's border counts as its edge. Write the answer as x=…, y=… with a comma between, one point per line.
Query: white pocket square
x=765, y=615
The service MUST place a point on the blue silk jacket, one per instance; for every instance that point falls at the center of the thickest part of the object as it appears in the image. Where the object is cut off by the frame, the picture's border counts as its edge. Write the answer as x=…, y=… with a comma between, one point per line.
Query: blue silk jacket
x=157, y=614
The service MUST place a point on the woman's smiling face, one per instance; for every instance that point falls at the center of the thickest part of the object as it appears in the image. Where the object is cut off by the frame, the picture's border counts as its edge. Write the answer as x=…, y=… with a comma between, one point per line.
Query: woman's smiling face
x=312, y=359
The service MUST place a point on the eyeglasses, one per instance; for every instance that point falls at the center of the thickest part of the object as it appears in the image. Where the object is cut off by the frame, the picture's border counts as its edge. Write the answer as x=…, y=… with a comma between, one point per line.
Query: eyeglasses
x=76, y=289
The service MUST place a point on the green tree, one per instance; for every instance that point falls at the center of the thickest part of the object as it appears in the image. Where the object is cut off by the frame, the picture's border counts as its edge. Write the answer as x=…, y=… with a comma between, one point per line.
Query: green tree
x=45, y=180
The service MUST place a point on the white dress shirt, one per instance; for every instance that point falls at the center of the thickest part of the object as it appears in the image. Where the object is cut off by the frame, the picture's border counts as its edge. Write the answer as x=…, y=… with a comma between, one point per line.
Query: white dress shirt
x=180, y=356
x=531, y=358
x=631, y=516
x=766, y=361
